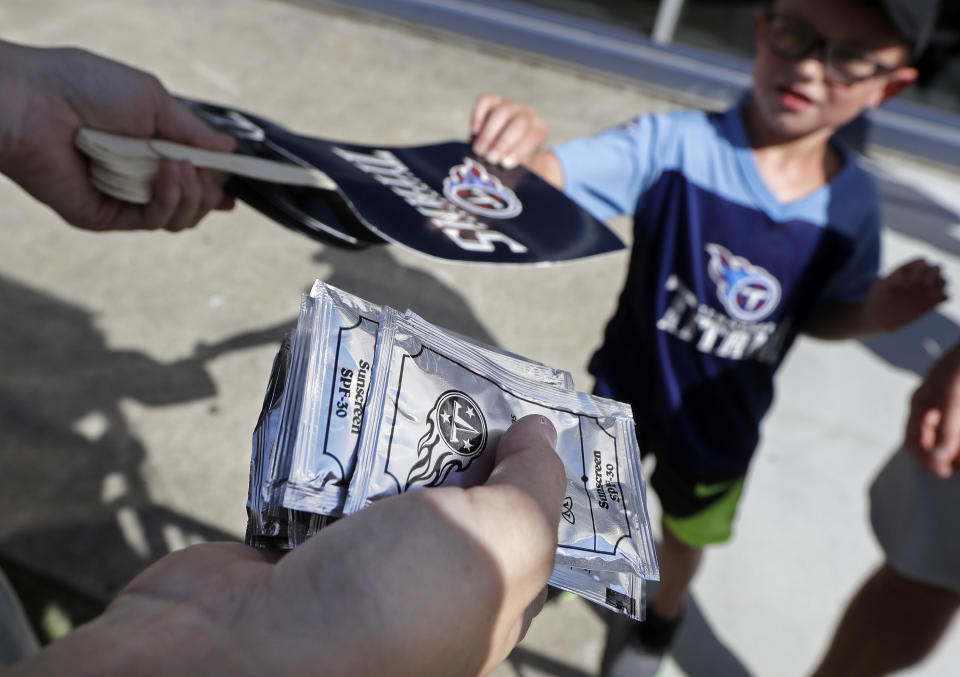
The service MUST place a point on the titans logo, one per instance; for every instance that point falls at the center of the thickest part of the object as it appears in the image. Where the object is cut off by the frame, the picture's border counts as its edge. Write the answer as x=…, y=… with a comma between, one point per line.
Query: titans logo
x=456, y=434
x=470, y=187
x=748, y=292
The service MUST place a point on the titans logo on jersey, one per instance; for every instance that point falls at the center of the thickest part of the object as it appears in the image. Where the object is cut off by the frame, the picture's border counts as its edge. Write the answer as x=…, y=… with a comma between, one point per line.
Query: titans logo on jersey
x=471, y=187
x=748, y=292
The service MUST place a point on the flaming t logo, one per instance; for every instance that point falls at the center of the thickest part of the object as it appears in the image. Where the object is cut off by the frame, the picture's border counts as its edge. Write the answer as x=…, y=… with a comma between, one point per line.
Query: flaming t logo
x=470, y=186
x=748, y=292
x=456, y=421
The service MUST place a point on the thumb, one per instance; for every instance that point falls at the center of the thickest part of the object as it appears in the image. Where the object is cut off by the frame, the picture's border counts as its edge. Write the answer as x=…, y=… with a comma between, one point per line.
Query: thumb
x=527, y=459
x=176, y=123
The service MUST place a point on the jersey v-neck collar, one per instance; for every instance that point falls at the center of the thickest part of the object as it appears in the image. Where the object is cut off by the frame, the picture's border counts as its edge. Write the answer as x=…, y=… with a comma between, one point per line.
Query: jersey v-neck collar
x=815, y=201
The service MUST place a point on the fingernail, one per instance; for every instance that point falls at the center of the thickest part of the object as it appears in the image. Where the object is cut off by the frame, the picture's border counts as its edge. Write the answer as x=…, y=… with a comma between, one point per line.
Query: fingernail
x=493, y=157
x=549, y=430
x=509, y=162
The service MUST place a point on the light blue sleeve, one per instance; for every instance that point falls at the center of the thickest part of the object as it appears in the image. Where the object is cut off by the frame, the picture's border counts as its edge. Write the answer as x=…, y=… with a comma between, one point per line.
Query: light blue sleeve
x=606, y=173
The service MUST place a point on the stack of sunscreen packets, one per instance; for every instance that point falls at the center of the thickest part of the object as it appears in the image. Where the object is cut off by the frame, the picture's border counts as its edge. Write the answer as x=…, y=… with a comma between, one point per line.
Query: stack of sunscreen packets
x=365, y=403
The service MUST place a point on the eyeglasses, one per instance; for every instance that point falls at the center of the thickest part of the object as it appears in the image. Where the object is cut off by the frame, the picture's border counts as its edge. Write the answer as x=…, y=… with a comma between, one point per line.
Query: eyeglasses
x=790, y=38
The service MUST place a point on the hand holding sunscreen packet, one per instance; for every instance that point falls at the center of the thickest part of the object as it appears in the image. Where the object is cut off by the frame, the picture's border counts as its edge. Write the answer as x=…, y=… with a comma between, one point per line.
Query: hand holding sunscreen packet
x=365, y=403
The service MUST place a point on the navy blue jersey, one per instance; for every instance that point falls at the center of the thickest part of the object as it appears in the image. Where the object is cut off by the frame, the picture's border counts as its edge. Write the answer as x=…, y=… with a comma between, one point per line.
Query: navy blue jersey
x=721, y=275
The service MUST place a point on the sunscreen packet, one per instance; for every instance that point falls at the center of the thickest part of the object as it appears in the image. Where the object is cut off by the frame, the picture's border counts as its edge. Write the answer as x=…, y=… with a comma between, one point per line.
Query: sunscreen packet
x=364, y=403
x=264, y=445
x=436, y=411
x=340, y=349
x=621, y=592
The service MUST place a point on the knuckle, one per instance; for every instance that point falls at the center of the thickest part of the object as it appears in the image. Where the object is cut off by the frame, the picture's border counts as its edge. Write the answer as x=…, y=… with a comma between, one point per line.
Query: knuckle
x=211, y=198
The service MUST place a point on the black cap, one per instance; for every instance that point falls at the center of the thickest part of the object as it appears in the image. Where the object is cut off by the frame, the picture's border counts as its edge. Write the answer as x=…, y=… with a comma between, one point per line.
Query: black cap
x=914, y=21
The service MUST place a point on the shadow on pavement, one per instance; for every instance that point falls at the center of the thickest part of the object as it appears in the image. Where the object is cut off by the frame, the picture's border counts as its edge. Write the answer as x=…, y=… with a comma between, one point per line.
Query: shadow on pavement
x=910, y=213
x=522, y=658
x=75, y=502
x=700, y=653
x=916, y=346
x=697, y=650
x=374, y=274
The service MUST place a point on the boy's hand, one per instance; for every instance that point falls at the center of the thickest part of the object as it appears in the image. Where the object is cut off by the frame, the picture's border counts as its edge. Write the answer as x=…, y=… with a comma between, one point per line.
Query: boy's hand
x=506, y=132
x=50, y=93
x=912, y=290
x=933, y=427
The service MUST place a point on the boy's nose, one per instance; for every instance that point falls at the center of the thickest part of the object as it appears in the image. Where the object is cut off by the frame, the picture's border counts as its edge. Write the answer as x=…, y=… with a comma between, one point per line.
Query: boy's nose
x=811, y=66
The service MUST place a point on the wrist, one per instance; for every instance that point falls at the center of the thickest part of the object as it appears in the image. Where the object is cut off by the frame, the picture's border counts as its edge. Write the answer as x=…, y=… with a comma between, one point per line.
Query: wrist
x=873, y=316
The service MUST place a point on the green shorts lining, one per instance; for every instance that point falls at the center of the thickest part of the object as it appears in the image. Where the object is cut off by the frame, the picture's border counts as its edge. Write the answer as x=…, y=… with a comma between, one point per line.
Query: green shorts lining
x=713, y=524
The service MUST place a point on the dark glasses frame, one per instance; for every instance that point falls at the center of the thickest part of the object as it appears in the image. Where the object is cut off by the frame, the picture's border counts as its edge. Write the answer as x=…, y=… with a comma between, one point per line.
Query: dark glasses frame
x=825, y=49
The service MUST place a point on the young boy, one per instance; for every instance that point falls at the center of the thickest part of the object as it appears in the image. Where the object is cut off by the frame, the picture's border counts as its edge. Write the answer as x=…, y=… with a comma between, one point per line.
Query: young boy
x=750, y=226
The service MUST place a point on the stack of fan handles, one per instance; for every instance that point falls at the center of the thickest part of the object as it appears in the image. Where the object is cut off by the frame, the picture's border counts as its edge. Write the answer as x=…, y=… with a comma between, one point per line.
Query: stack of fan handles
x=124, y=167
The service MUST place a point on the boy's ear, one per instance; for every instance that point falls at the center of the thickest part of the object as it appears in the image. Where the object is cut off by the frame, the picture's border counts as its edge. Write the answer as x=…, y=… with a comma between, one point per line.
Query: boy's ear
x=897, y=81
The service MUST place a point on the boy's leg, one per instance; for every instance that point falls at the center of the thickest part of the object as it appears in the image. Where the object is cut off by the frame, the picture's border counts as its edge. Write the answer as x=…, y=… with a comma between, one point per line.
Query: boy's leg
x=696, y=514
x=891, y=623
x=678, y=565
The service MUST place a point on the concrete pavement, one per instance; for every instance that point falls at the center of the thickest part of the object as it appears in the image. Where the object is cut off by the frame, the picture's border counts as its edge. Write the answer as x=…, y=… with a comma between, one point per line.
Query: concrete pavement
x=132, y=366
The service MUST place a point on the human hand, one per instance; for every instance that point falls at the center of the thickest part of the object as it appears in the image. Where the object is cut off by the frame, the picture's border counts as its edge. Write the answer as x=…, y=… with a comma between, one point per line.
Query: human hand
x=909, y=292
x=50, y=93
x=506, y=132
x=439, y=581
x=932, y=434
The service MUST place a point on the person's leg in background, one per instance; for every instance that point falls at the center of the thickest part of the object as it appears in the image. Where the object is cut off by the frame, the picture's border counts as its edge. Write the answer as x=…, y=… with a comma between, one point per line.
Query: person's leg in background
x=900, y=613
x=891, y=623
x=708, y=511
x=680, y=562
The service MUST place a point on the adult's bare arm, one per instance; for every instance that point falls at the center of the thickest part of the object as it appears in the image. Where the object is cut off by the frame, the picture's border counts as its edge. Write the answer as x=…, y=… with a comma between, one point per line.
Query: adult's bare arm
x=434, y=582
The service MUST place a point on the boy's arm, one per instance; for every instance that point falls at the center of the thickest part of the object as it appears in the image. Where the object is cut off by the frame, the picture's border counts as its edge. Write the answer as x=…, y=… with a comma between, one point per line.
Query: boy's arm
x=909, y=292
x=510, y=133
x=547, y=166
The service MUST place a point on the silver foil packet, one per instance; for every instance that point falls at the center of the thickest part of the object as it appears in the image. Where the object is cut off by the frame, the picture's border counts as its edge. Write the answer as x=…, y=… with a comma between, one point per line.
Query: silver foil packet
x=435, y=414
x=276, y=433
x=340, y=349
x=335, y=388
x=515, y=363
x=618, y=591
x=264, y=444
x=341, y=344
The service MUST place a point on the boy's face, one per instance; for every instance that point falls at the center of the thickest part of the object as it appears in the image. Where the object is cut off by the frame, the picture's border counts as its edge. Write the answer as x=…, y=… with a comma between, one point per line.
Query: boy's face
x=855, y=61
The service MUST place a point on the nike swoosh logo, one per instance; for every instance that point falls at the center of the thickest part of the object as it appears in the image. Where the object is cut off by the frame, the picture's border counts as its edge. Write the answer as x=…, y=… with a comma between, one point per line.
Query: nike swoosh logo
x=708, y=490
